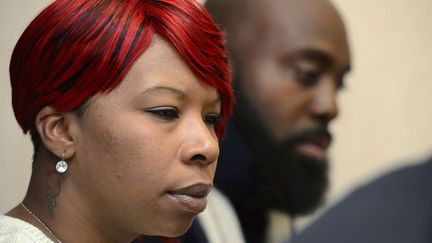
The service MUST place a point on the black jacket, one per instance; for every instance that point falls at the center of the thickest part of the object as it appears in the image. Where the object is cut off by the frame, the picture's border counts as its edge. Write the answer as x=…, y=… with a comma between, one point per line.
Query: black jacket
x=395, y=208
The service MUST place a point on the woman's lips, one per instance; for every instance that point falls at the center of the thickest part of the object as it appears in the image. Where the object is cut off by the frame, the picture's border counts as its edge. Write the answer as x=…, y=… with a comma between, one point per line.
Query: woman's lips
x=192, y=198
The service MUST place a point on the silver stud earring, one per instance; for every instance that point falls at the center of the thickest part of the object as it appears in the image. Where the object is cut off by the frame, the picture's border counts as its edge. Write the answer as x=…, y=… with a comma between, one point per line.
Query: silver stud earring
x=61, y=166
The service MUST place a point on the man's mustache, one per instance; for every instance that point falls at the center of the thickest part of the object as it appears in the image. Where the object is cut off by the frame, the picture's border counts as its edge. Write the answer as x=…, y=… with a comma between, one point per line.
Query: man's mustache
x=306, y=135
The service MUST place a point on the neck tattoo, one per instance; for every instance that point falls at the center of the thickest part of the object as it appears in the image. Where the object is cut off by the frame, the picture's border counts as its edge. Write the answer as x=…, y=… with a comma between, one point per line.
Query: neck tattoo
x=40, y=221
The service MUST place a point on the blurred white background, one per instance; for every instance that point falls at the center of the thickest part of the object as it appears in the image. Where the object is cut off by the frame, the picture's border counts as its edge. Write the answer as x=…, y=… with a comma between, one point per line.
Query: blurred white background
x=386, y=110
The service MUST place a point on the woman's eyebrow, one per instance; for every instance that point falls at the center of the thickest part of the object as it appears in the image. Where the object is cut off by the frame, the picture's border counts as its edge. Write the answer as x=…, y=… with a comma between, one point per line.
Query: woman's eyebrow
x=165, y=89
x=179, y=94
x=216, y=101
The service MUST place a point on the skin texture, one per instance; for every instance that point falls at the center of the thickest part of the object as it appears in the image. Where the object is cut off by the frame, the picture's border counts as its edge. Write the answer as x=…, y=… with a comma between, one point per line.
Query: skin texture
x=152, y=135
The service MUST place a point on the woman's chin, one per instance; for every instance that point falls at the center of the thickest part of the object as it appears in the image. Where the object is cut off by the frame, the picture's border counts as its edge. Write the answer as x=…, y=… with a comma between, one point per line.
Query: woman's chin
x=176, y=228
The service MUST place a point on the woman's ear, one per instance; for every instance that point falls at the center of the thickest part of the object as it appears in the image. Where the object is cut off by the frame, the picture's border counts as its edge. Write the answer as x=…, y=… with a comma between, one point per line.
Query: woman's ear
x=53, y=129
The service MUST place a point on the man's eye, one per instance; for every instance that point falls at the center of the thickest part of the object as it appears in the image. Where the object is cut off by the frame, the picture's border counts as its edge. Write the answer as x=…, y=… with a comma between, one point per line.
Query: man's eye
x=212, y=119
x=307, y=77
x=165, y=113
x=340, y=82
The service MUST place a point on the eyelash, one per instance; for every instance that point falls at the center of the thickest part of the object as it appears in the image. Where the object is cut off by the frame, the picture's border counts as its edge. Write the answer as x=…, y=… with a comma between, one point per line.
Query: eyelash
x=172, y=113
x=212, y=119
x=310, y=77
x=165, y=113
x=306, y=77
x=340, y=83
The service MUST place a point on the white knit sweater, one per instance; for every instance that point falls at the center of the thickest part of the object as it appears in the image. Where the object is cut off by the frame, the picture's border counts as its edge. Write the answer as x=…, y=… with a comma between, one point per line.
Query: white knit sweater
x=219, y=220
x=15, y=230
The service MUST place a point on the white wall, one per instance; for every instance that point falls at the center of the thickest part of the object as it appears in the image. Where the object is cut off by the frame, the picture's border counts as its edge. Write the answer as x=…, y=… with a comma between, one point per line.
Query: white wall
x=15, y=148
x=386, y=117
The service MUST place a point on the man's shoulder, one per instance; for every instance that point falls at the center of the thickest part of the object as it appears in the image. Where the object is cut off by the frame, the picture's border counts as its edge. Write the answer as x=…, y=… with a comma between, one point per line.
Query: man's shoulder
x=410, y=180
x=395, y=207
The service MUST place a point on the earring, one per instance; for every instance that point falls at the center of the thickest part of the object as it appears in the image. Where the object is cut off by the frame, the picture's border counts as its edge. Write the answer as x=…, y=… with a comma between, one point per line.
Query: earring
x=61, y=166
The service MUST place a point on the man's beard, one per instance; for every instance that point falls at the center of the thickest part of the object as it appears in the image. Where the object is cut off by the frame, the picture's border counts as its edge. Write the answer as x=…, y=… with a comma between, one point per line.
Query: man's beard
x=289, y=181
x=285, y=179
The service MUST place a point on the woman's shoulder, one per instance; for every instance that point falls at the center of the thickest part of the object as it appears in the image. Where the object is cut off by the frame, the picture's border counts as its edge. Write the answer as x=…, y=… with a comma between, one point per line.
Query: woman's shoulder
x=16, y=230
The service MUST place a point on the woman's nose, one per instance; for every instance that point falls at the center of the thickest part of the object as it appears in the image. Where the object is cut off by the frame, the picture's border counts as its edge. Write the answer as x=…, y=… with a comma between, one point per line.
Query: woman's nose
x=200, y=144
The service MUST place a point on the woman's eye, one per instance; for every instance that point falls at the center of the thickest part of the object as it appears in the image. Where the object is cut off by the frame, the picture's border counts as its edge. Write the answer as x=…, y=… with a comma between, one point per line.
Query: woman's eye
x=165, y=113
x=212, y=119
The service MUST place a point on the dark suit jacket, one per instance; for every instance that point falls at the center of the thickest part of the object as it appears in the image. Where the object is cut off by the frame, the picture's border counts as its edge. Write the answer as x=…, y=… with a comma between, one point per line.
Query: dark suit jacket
x=395, y=208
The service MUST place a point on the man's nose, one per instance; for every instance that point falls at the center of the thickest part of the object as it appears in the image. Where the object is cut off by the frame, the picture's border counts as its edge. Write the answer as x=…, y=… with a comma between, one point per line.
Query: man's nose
x=324, y=105
x=200, y=145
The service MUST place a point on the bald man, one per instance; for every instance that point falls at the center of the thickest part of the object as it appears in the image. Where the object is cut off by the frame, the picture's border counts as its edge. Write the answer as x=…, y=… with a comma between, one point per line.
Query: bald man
x=289, y=59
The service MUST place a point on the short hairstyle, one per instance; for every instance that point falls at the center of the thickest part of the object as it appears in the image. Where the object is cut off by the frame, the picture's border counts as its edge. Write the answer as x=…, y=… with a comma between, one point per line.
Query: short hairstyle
x=75, y=49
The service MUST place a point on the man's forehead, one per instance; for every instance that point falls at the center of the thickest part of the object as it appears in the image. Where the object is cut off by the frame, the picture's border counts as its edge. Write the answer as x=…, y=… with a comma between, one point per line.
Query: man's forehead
x=304, y=24
x=303, y=18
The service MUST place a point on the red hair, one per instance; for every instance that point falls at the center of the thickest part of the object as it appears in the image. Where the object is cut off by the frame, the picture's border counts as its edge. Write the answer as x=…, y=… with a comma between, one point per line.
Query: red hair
x=75, y=49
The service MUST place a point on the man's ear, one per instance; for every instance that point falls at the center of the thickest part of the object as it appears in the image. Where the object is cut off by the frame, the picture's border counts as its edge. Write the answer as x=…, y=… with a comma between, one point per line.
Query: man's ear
x=53, y=129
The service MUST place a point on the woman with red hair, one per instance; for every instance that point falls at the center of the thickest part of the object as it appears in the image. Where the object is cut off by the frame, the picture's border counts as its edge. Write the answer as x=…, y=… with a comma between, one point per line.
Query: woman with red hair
x=124, y=102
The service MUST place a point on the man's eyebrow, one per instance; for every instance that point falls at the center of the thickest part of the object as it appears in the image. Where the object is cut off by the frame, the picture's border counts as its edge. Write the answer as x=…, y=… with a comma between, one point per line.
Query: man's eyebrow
x=315, y=55
x=321, y=57
x=177, y=92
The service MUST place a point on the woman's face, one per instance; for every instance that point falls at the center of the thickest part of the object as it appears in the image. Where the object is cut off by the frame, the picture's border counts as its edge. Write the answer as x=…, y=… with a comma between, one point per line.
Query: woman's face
x=146, y=152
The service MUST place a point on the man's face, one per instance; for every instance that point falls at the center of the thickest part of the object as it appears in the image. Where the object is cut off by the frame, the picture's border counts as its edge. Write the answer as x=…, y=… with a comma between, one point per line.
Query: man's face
x=288, y=82
x=292, y=76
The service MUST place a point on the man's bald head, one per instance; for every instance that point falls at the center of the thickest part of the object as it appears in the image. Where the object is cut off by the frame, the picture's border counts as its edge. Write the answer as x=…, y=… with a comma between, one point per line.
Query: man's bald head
x=250, y=23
